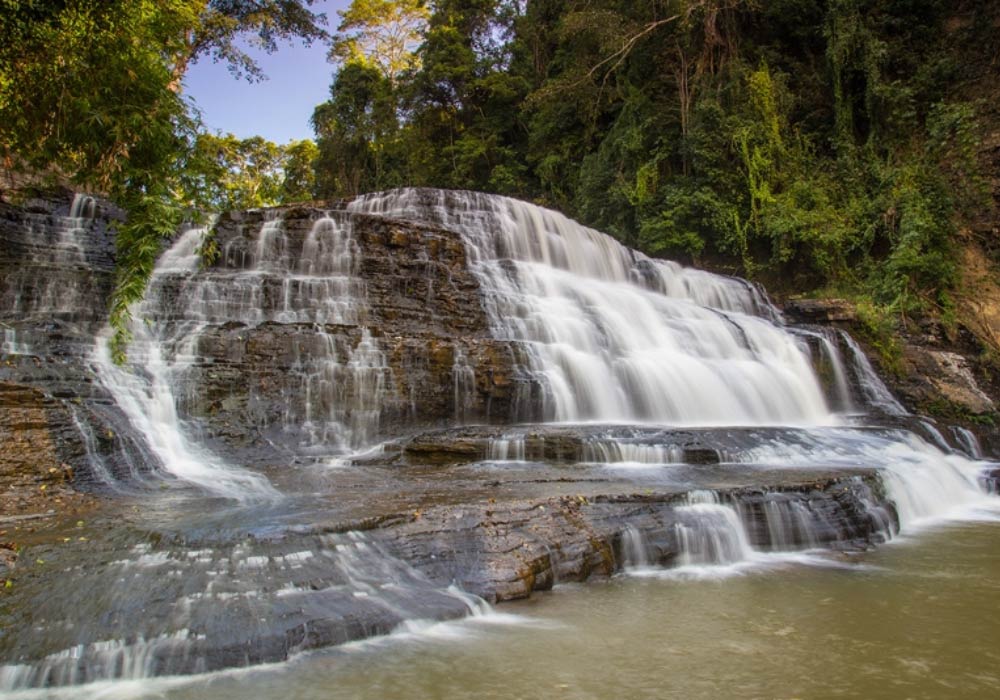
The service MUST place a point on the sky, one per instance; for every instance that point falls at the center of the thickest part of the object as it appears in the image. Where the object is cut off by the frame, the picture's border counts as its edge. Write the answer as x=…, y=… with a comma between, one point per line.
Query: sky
x=278, y=108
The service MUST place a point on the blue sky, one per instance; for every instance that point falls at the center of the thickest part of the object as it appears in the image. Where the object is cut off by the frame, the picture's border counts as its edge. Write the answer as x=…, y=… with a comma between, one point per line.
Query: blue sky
x=278, y=108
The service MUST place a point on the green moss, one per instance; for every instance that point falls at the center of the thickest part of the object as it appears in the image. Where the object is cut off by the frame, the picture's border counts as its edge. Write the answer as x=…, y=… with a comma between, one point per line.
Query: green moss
x=956, y=413
x=879, y=329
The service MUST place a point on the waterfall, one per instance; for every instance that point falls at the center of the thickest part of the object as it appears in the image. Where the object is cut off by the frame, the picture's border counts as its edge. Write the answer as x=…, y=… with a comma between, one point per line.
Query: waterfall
x=506, y=449
x=967, y=442
x=711, y=532
x=925, y=482
x=283, y=325
x=874, y=390
x=610, y=451
x=463, y=377
x=614, y=335
x=57, y=282
x=335, y=388
x=831, y=361
x=261, y=593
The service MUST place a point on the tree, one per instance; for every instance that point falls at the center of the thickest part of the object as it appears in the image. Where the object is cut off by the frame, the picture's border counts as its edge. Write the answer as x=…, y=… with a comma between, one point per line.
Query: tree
x=299, y=181
x=222, y=23
x=357, y=133
x=382, y=33
x=225, y=173
x=465, y=127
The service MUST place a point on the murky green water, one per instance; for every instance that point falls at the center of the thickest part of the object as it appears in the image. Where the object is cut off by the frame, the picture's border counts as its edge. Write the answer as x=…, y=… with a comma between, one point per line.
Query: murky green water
x=917, y=619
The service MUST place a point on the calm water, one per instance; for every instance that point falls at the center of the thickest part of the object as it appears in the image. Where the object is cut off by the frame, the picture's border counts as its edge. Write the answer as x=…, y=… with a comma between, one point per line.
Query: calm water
x=916, y=619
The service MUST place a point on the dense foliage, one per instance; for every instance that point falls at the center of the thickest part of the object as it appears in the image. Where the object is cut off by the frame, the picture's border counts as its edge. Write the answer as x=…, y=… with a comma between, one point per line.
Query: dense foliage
x=822, y=143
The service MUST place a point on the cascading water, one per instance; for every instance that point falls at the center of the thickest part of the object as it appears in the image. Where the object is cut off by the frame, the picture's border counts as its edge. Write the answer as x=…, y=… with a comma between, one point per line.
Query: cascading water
x=614, y=335
x=464, y=379
x=208, y=592
x=334, y=390
x=711, y=532
x=831, y=361
x=968, y=442
x=145, y=389
x=60, y=247
x=875, y=394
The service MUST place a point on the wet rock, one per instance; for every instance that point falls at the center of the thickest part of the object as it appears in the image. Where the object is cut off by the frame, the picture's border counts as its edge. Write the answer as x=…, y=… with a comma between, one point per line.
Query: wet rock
x=504, y=551
x=820, y=311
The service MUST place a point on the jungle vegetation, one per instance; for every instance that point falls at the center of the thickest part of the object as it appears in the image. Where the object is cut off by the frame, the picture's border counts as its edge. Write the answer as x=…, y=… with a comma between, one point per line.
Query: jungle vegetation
x=827, y=145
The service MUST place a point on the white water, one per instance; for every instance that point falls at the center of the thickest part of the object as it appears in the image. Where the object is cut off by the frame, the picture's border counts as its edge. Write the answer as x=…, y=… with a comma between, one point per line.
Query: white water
x=876, y=394
x=13, y=346
x=62, y=246
x=926, y=483
x=614, y=335
x=464, y=380
x=610, y=451
x=506, y=449
x=713, y=541
x=208, y=584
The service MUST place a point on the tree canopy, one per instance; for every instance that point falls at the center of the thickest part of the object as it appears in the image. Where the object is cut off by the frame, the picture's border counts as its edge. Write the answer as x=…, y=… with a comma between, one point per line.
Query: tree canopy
x=816, y=144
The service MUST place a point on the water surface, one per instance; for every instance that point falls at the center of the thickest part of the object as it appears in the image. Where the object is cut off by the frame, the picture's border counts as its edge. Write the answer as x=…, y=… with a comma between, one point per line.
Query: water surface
x=915, y=619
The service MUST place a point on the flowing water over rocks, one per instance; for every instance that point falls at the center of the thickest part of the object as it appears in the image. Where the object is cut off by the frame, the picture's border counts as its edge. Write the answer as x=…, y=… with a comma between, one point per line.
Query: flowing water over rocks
x=408, y=408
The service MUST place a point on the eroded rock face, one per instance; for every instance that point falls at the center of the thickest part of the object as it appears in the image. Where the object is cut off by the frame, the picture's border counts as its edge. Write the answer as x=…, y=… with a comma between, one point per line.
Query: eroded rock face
x=194, y=604
x=820, y=311
x=506, y=550
x=56, y=272
x=943, y=373
x=317, y=331
x=949, y=373
x=34, y=434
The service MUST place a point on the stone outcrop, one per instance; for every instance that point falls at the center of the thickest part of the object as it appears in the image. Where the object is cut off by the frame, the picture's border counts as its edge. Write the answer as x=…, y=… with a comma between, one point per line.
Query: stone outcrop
x=945, y=374
x=950, y=374
x=322, y=584
x=55, y=278
x=506, y=550
x=820, y=311
x=421, y=305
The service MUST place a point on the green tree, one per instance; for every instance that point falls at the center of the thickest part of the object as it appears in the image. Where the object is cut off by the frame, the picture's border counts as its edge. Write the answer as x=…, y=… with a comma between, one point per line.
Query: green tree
x=299, y=178
x=357, y=133
x=464, y=126
x=226, y=173
x=381, y=33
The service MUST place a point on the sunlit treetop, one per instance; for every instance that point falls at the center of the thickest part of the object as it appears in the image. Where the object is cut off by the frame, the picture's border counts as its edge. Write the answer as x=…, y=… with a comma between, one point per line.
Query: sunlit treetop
x=381, y=33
